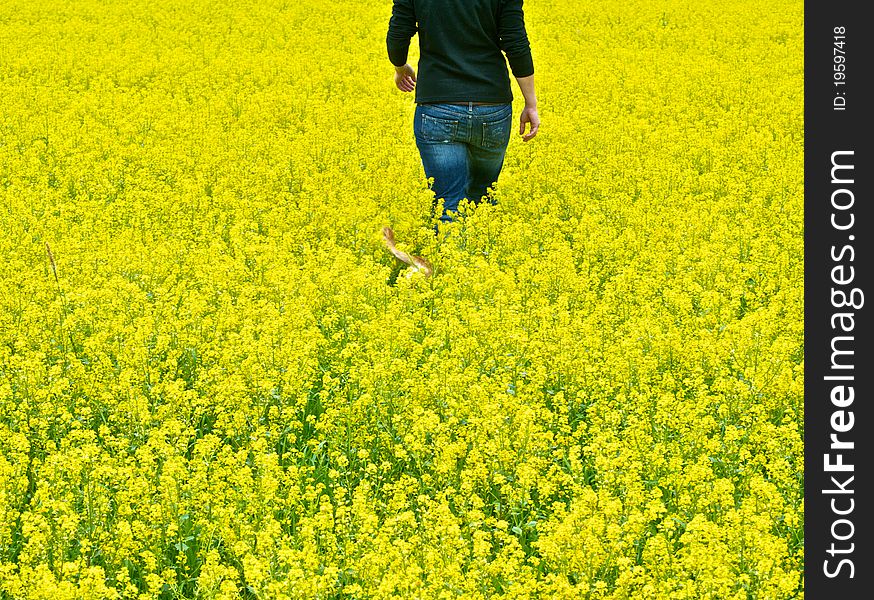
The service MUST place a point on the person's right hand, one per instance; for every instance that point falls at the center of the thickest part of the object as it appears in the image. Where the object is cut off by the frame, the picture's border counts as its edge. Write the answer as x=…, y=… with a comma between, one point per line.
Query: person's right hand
x=405, y=78
x=529, y=115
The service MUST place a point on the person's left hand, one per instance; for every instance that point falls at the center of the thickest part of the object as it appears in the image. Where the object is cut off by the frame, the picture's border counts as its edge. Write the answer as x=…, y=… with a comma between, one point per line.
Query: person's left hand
x=529, y=115
x=405, y=78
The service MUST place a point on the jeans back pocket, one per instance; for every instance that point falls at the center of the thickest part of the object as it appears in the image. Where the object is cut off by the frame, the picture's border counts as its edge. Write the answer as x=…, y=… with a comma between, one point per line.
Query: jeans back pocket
x=496, y=134
x=436, y=129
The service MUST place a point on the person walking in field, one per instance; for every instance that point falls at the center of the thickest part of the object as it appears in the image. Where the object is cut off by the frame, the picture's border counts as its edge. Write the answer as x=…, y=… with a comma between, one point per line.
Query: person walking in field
x=463, y=98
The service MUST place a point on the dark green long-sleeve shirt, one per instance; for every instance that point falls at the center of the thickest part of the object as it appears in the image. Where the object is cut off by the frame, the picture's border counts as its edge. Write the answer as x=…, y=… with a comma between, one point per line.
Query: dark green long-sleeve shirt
x=461, y=44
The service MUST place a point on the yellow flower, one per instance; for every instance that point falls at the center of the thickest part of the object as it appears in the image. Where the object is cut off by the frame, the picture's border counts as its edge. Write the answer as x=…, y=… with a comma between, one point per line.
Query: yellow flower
x=209, y=387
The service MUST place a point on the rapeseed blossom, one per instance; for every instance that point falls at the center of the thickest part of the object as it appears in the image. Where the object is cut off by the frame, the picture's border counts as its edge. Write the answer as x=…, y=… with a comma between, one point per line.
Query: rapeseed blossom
x=212, y=391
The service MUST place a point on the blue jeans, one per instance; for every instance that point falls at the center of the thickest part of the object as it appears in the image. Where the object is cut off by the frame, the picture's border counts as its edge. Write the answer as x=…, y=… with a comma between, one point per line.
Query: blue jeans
x=462, y=148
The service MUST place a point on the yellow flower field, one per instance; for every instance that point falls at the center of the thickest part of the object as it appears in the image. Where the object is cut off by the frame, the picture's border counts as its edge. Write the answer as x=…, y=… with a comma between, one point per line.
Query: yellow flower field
x=211, y=386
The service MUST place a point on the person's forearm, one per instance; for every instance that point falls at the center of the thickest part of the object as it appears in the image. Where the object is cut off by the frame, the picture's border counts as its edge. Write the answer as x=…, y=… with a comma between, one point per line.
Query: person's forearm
x=401, y=28
x=526, y=84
